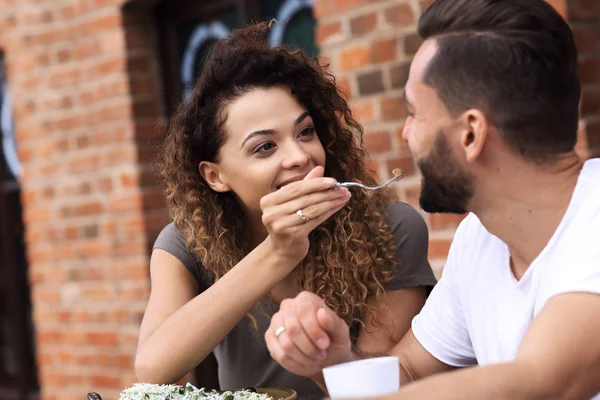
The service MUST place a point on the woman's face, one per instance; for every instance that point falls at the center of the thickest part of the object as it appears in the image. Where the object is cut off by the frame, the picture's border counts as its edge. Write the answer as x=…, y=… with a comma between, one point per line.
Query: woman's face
x=270, y=142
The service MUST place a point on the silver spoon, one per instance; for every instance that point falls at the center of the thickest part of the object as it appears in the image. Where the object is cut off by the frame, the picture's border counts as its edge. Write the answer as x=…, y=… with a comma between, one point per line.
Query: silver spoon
x=397, y=174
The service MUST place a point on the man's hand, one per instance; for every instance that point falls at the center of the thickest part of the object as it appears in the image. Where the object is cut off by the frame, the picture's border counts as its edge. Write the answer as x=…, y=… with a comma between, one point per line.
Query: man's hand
x=306, y=336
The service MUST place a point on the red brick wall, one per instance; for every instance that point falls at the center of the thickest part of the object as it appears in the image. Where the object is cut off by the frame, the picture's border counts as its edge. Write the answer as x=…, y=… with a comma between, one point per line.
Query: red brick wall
x=370, y=45
x=86, y=94
x=584, y=16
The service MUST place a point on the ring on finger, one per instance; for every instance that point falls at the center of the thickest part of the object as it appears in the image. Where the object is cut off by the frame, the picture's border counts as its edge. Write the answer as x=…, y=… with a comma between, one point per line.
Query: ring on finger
x=279, y=331
x=305, y=219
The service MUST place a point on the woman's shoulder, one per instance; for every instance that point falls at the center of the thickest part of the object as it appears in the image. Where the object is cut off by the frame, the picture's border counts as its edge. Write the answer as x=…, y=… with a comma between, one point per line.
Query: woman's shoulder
x=403, y=217
x=170, y=236
x=411, y=238
x=173, y=241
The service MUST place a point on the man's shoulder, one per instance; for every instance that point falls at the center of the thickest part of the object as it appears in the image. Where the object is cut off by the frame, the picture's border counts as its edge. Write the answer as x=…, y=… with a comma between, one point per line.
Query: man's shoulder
x=582, y=220
x=471, y=230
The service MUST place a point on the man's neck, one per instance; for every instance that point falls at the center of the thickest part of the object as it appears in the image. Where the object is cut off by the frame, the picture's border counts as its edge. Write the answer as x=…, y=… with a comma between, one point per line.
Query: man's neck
x=524, y=204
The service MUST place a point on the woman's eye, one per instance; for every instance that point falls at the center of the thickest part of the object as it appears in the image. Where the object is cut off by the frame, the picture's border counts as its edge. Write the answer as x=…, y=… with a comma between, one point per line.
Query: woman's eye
x=307, y=132
x=264, y=148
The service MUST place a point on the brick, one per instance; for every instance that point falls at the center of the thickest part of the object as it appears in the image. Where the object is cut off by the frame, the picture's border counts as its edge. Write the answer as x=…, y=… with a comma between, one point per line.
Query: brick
x=344, y=86
x=363, y=112
x=373, y=167
x=140, y=293
x=51, y=378
x=412, y=42
x=98, y=293
x=384, y=50
x=370, y=83
x=393, y=108
x=587, y=36
x=399, y=15
x=153, y=199
x=589, y=69
x=583, y=10
x=49, y=337
x=139, y=38
x=444, y=221
x=105, y=381
x=377, y=142
x=141, y=62
x=147, y=108
x=399, y=75
x=439, y=249
x=325, y=8
x=593, y=136
x=363, y=24
x=354, y=58
x=590, y=101
x=110, y=66
x=411, y=194
x=104, y=22
x=108, y=338
x=327, y=33
x=405, y=163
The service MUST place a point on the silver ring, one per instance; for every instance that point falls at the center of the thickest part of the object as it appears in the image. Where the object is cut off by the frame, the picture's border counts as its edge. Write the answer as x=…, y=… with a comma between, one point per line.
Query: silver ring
x=279, y=331
x=305, y=219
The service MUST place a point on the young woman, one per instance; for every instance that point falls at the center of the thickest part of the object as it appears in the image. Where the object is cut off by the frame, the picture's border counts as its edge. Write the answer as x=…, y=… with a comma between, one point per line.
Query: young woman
x=250, y=164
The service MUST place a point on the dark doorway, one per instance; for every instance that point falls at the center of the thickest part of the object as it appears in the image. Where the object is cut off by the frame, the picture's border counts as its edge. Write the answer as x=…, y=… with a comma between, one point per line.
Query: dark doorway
x=18, y=374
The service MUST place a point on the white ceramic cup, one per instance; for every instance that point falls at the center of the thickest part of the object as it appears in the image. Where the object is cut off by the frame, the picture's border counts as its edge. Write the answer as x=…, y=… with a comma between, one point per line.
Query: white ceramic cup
x=364, y=378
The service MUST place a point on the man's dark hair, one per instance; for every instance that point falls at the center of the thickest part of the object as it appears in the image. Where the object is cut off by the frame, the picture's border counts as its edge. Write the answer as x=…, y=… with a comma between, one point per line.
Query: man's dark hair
x=515, y=60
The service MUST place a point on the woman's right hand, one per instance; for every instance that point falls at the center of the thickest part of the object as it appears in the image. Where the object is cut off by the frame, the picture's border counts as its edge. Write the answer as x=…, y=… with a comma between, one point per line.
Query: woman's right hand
x=316, y=197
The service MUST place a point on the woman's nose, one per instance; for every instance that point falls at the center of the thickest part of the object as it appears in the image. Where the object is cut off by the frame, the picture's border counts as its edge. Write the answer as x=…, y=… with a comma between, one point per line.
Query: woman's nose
x=295, y=156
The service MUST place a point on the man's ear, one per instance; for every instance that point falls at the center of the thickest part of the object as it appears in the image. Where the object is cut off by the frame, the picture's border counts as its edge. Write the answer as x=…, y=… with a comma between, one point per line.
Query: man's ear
x=474, y=135
x=212, y=175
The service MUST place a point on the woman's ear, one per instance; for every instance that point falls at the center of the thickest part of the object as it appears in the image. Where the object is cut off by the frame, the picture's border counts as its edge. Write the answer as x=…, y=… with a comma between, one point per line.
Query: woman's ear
x=212, y=175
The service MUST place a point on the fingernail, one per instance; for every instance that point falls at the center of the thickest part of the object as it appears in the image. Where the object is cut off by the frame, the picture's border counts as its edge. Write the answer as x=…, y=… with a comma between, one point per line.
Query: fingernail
x=322, y=343
x=329, y=181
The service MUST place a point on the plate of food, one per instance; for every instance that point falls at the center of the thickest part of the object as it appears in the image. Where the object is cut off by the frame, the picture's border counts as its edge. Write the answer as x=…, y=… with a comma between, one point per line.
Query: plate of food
x=147, y=391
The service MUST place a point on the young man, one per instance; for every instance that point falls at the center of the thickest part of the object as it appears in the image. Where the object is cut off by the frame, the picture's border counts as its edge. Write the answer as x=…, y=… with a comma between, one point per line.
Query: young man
x=493, y=96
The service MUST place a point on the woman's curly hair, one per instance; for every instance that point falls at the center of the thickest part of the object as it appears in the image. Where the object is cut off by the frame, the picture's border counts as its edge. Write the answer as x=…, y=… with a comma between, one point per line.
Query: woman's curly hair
x=351, y=254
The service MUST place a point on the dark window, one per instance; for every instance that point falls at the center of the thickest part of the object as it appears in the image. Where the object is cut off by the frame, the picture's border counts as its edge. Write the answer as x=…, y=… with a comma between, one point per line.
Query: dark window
x=189, y=28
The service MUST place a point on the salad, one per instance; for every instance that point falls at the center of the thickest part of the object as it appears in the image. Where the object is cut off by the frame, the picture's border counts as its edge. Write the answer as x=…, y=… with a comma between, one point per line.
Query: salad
x=148, y=391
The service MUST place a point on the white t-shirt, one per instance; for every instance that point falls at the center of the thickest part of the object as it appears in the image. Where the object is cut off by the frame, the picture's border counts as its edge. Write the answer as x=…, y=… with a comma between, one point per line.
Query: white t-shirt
x=478, y=312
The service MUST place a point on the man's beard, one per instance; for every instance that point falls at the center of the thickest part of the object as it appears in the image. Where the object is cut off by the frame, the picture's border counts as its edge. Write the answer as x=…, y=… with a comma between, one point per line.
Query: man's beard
x=446, y=186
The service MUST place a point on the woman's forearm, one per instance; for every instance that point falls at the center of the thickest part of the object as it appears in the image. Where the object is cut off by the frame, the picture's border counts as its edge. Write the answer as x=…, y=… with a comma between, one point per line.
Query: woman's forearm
x=184, y=339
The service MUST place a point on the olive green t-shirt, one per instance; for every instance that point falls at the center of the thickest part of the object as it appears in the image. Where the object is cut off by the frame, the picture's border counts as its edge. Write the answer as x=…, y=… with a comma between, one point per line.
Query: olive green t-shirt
x=243, y=358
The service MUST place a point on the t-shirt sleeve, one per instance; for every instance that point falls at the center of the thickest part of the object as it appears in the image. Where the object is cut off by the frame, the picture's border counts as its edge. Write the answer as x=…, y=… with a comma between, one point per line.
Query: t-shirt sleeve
x=411, y=238
x=579, y=268
x=441, y=327
x=172, y=240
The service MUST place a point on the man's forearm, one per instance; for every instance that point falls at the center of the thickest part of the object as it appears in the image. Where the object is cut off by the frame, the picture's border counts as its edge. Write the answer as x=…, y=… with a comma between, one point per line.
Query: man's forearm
x=503, y=381
x=356, y=354
x=405, y=375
